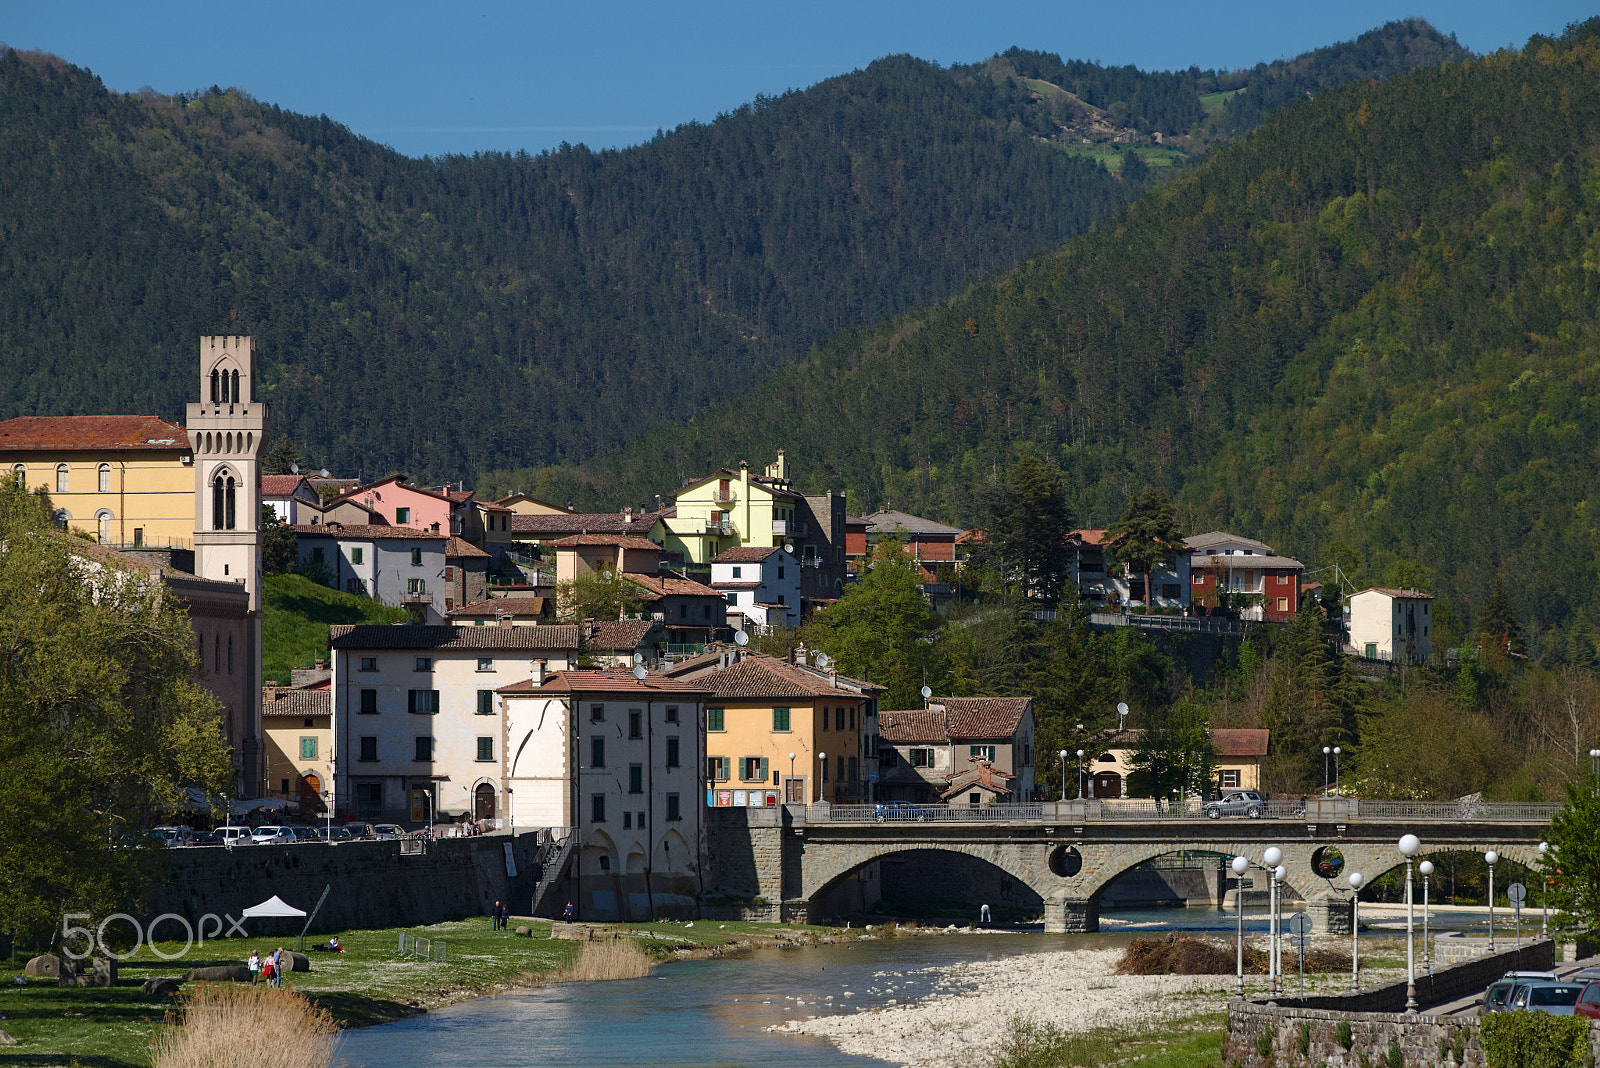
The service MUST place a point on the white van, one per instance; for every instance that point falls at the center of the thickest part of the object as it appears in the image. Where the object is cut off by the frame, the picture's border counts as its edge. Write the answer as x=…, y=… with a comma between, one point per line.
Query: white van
x=234, y=836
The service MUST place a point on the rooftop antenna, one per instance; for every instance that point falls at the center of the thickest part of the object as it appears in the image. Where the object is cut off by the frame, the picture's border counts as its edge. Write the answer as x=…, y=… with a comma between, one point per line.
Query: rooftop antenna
x=822, y=660
x=740, y=638
x=294, y=469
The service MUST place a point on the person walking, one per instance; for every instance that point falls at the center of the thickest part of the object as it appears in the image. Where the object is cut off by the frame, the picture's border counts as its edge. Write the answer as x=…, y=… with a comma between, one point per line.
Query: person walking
x=566, y=913
x=505, y=917
x=277, y=967
x=254, y=964
x=983, y=914
x=494, y=917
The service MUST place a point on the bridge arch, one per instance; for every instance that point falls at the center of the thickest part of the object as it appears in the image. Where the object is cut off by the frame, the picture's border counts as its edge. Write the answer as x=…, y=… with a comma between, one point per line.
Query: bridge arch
x=840, y=864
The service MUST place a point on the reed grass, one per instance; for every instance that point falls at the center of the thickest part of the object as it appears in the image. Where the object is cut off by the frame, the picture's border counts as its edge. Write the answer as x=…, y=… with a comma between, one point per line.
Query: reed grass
x=614, y=958
x=229, y=1025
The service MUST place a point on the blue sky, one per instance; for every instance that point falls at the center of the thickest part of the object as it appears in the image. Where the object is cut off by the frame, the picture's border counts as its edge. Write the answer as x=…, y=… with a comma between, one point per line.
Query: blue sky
x=436, y=78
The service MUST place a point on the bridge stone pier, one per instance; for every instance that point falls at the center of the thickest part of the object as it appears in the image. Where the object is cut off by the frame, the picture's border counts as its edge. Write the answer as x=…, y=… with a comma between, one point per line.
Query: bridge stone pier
x=1070, y=852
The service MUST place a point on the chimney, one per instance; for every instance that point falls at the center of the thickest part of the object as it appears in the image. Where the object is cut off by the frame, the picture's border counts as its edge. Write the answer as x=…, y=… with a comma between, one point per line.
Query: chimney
x=800, y=654
x=320, y=665
x=502, y=619
x=538, y=672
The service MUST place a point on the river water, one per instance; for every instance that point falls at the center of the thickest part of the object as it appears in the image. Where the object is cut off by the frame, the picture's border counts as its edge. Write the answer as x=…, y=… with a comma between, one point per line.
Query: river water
x=714, y=1014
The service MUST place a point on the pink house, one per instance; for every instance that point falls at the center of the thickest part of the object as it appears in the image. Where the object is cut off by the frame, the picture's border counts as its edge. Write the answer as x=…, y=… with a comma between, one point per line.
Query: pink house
x=411, y=506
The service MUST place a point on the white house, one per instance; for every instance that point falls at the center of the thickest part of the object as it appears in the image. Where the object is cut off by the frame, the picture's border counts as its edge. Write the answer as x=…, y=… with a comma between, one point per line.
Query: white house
x=399, y=566
x=291, y=498
x=761, y=583
x=1391, y=624
x=619, y=760
x=417, y=729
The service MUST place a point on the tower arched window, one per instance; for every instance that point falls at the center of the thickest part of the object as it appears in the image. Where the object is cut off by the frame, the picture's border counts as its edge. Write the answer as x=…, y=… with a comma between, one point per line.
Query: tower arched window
x=61, y=478
x=218, y=486
x=229, y=501
x=216, y=386
x=105, y=478
x=224, y=499
x=236, y=387
x=216, y=653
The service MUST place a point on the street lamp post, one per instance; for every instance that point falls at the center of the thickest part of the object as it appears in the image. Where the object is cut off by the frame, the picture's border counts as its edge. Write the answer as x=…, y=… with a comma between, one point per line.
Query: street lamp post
x=1409, y=844
x=823, y=759
x=1063, y=774
x=511, y=810
x=1355, y=930
x=1279, y=874
x=1326, y=753
x=1426, y=868
x=1240, y=866
x=1271, y=858
x=1335, y=771
x=1080, y=775
x=1489, y=858
x=429, y=795
x=1544, y=902
x=1594, y=768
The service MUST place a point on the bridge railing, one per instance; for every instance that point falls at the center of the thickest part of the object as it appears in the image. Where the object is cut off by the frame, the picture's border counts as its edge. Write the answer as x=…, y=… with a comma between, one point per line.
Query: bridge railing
x=1477, y=811
x=920, y=813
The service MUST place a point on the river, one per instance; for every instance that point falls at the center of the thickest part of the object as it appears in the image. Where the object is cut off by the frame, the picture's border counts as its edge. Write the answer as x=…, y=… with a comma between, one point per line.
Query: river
x=714, y=1014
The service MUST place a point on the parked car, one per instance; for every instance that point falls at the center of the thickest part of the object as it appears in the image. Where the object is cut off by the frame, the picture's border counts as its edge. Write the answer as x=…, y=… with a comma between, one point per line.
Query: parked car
x=174, y=836
x=1494, y=999
x=889, y=811
x=304, y=834
x=360, y=830
x=334, y=834
x=1247, y=803
x=1557, y=999
x=1588, y=1003
x=388, y=830
x=234, y=835
x=207, y=838
x=272, y=834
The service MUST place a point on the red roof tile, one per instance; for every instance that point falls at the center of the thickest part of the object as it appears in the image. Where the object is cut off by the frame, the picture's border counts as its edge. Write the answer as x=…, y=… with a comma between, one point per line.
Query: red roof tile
x=406, y=636
x=616, y=634
x=746, y=554
x=97, y=432
x=365, y=530
x=759, y=675
x=959, y=719
x=511, y=606
x=610, y=680
x=462, y=549
x=276, y=701
x=557, y=526
x=672, y=584
x=620, y=541
x=280, y=485
x=1240, y=741
x=983, y=775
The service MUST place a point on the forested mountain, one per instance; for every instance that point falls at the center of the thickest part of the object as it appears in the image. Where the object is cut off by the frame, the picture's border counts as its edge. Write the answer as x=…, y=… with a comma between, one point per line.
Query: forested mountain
x=449, y=316
x=1365, y=333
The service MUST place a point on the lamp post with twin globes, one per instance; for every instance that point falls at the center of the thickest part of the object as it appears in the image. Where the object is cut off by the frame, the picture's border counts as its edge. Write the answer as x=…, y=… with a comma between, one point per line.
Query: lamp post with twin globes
x=1063, y=774
x=1240, y=865
x=1544, y=902
x=1080, y=775
x=1271, y=858
x=1409, y=845
x=1489, y=858
x=1426, y=868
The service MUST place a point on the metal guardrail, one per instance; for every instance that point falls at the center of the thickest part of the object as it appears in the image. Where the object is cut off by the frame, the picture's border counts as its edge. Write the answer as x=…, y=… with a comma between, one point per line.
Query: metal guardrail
x=1148, y=811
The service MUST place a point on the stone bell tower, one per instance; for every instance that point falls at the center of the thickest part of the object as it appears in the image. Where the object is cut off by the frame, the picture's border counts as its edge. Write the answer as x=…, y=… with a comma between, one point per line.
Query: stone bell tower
x=228, y=431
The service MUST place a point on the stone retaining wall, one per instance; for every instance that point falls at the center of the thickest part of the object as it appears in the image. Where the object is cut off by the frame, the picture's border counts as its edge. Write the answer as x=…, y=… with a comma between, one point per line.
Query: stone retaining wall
x=1376, y=1018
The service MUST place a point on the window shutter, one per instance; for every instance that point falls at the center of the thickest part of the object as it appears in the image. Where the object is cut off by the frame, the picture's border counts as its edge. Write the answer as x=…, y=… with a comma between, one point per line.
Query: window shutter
x=434, y=703
x=485, y=702
x=763, y=775
x=744, y=768
x=411, y=701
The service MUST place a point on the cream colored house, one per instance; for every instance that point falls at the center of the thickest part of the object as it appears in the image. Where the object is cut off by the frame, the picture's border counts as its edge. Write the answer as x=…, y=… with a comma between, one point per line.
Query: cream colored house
x=1236, y=766
x=298, y=727
x=127, y=480
x=1391, y=624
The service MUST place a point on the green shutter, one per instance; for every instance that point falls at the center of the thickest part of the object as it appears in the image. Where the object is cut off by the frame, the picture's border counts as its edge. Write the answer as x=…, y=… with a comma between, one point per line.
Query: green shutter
x=714, y=719
x=744, y=768
x=763, y=775
x=780, y=719
x=485, y=702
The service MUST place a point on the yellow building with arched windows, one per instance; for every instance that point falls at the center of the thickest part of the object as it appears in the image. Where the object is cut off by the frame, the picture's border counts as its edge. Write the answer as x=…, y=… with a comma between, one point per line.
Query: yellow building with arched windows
x=126, y=480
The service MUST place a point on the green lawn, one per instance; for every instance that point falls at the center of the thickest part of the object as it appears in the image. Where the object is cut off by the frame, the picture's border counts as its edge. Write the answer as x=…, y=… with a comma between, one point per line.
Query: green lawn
x=296, y=613
x=369, y=983
x=1213, y=102
x=1110, y=156
x=1195, y=1042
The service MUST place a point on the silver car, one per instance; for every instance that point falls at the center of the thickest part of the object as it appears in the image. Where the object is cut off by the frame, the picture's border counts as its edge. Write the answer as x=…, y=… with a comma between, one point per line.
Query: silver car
x=1247, y=803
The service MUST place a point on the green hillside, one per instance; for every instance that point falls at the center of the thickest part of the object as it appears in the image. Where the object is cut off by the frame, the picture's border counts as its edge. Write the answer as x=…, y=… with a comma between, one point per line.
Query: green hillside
x=1365, y=333
x=296, y=614
x=450, y=316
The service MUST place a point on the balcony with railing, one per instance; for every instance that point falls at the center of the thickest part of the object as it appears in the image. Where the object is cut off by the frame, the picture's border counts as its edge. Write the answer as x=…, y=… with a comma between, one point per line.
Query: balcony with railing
x=788, y=528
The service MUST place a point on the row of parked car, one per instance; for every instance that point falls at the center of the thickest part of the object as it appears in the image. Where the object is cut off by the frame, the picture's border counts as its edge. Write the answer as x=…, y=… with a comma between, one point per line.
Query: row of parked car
x=1543, y=992
x=233, y=835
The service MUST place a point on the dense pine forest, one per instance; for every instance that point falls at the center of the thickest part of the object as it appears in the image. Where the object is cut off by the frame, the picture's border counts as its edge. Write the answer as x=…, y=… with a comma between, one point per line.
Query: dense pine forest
x=452, y=316
x=1365, y=333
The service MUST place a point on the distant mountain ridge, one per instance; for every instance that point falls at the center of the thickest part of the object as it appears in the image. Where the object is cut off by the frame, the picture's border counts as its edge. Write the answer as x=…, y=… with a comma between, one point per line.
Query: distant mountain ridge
x=448, y=317
x=1367, y=333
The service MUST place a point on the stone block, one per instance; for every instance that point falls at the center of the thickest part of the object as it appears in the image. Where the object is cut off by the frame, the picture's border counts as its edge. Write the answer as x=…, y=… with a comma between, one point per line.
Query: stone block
x=160, y=988
x=7, y=1040
x=224, y=973
x=524, y=932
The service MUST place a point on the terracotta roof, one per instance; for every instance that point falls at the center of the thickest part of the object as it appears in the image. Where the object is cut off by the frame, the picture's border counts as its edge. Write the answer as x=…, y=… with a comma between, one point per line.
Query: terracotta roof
x=913, y=725
x=580, y=522
x=359, y=531
x=887, y=521
x=621, y=541
x=617, y=634
x=746, y=554
x=1239, y=741
x=407, y=636
x=1407, y=595
x=740, y=585
x=671, y=584
x=759, y=675
x=513, y=606
x=98, y=432
x=1222, y=562
x=961, y=718
x=490, y=506
x=460, y=547
x=278, y=701
x=399, y=482
x=609, y=680
x=695, y=665
x=983, y=775
x=280, y=485
x=778, y=487
x=1088, y=537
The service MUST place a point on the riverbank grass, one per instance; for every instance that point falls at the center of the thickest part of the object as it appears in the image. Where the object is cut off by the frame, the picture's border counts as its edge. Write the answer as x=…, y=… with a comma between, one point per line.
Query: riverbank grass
x=1191, y=1042
x=371, y=982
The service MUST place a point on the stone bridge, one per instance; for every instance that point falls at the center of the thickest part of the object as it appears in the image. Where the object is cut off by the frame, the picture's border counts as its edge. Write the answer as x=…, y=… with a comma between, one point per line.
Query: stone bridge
x=1069, y=858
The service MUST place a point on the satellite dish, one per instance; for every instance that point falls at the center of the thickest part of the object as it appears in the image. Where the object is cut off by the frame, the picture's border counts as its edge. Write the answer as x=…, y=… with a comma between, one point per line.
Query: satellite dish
x=294, y=469
x=638, y=658
x=822, y=660
x=788, y=547
x=639, y=672
x=324, y=472
x=1122, y=708
x=741, y=638
x=926, y=693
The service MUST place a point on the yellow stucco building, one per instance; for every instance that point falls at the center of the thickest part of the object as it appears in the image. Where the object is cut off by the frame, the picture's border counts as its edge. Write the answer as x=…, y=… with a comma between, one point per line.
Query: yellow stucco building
x=298, y=725
x=732, y=508
x=127, y=480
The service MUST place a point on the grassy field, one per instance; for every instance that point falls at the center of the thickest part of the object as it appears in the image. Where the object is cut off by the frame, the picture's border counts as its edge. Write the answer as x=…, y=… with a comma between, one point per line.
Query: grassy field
x=296, y=613
x=1110, y=156
x=369, y=983
x=1213, y=102
x=1195, y=1042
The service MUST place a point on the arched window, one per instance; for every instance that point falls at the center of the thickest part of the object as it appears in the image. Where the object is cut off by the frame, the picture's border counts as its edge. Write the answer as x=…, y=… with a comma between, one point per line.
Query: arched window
x=216, y=652
x=105, y=478
x=236, y=387
x=61, y=478
x=216, y=387
x=224, y=514
x=102, y=520
x=229, y=501
x=217, y=510
x=61, y=518
x=230, y=654
x=21, y=471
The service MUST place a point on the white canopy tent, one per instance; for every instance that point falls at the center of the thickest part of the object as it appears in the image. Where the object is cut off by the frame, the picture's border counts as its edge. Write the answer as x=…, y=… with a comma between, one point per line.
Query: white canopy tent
x=272, y=907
